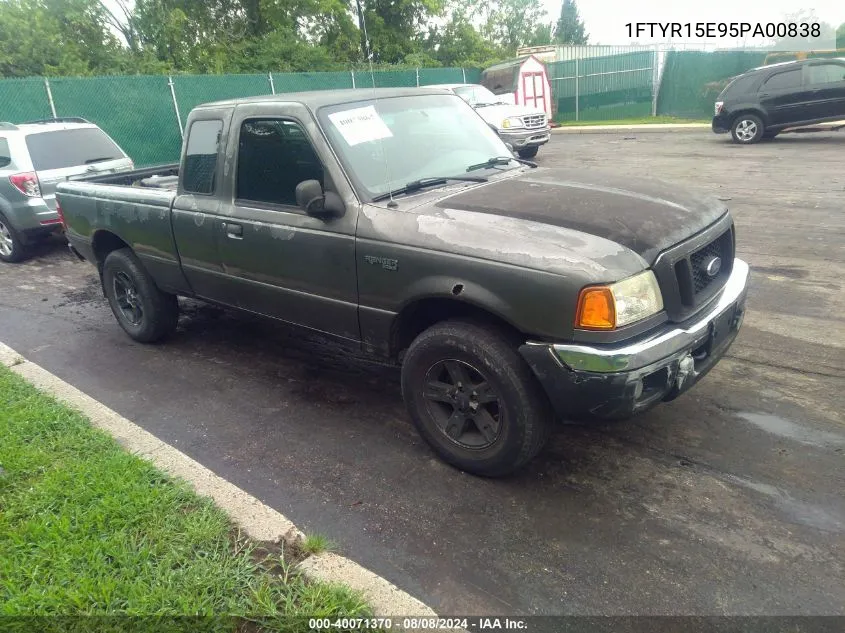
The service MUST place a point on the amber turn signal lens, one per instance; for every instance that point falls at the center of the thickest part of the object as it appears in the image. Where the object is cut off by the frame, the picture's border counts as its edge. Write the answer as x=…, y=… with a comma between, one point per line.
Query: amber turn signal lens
x=596, y=309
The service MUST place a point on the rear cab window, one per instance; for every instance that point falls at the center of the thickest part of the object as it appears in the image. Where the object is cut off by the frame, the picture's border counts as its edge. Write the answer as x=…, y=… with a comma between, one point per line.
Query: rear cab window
x=201, y=156
x=60, y=149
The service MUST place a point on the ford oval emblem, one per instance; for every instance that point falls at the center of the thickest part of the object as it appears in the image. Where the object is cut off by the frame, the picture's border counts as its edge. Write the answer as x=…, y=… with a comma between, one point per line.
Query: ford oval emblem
x=712, y=266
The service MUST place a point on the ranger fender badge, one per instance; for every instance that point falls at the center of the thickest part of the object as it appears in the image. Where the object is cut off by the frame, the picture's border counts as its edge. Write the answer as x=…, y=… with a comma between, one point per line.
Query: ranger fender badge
x=385, y=262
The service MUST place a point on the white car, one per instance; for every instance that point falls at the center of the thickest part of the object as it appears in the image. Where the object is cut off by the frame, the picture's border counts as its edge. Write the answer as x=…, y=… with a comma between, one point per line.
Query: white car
x=522, y=127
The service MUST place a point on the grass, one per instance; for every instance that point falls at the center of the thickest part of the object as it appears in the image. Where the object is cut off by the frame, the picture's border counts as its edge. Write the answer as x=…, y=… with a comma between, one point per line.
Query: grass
x=317, y=544
x=634, y=121
x=88, y=529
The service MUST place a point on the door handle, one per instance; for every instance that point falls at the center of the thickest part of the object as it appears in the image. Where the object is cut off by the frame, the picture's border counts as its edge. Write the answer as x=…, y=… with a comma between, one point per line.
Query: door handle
x=235, y=231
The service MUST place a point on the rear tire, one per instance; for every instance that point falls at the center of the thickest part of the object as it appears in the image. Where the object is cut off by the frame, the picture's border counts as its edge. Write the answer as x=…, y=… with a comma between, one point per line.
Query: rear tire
x=12, y=248
x=747, y=129
x=474, y=399
x=528, y=152
x=143, y=311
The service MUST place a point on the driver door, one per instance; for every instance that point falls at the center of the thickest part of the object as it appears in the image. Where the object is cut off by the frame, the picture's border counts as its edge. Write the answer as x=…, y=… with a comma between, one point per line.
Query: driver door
x=277, y=259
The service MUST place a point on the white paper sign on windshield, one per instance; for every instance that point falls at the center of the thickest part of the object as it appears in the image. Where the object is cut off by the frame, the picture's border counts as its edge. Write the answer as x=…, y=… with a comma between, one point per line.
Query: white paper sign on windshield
x=360, y=125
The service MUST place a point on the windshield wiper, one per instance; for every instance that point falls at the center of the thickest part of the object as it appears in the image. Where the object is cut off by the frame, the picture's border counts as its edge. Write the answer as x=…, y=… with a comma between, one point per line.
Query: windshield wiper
x=101, y=159
x=422, y=183
x=500, y=160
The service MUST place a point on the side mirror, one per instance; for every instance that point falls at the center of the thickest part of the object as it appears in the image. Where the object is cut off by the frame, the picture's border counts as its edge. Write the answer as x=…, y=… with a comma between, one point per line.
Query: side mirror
x=311, y=198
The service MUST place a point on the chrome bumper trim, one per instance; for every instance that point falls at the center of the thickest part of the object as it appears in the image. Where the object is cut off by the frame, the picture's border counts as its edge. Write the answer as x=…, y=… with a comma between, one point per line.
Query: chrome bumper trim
x=664, y=344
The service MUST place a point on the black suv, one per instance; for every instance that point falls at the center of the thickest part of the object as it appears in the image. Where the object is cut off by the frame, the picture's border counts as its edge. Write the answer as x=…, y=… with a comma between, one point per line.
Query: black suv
x=766, y=100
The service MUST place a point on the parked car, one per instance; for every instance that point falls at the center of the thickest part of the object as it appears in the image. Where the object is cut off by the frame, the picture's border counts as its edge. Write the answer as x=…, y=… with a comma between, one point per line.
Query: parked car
x=764, y=101
x=397, y=223
x=524, y=128
x=34, y=158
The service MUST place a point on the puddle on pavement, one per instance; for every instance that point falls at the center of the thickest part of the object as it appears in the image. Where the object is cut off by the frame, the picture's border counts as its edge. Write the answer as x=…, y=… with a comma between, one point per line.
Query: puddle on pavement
x=790, y=430
x=798, y=511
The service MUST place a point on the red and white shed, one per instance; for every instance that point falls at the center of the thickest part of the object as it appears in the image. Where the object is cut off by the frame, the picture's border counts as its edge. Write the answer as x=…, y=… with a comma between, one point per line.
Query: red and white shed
x=523, y=81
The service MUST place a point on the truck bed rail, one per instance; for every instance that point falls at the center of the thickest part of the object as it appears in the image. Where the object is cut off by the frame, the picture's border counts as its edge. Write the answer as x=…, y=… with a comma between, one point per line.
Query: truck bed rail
x=130, y=178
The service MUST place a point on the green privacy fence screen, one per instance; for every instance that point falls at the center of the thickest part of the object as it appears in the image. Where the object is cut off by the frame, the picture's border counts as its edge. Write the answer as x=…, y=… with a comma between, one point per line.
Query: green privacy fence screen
x=138, y=110
x=693, y=79
x=603, y=88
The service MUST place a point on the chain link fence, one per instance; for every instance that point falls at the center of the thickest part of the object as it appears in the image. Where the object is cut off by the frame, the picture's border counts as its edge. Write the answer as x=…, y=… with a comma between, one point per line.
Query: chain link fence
x=145, y=114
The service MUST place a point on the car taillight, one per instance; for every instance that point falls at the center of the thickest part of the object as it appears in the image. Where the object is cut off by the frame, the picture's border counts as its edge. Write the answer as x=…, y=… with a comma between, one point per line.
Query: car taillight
x=61, y=214
x=27, y=184
x=719, y=105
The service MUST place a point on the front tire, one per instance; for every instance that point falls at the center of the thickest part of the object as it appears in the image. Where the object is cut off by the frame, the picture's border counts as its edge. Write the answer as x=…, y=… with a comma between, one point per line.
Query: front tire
x=473, y=398
x=747, y=129
x=144, y=312
x=12, y=248
x=529, y=152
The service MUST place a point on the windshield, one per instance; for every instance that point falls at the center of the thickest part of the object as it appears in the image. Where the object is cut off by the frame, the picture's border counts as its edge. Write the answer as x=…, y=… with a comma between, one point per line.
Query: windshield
x=59, y=149
x=476, y=95
x=386, y=143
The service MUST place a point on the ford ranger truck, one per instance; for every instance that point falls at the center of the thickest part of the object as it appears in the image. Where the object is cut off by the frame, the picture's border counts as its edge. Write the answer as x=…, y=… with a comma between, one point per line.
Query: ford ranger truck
x=396, y=222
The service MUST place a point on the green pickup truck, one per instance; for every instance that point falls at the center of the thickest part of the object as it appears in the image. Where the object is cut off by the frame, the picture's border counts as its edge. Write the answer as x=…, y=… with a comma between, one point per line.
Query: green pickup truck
x=397, y=222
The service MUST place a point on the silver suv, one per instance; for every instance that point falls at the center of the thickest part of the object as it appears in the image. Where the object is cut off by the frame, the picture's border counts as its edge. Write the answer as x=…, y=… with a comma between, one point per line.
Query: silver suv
x=34, y=158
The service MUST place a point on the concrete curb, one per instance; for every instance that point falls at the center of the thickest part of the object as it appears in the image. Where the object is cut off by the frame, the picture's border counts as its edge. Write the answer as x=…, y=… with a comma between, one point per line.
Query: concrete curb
x=617, y=129
x=259, y=521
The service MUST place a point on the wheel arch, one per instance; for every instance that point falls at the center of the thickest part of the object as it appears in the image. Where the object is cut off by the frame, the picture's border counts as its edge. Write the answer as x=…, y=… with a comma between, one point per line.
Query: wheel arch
x=755, y=110
x=104, y=242
x=418, y=315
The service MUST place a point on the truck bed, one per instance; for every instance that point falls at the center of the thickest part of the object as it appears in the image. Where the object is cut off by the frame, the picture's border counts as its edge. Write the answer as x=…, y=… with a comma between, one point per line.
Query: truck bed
x=120, y=206
x=157, y=177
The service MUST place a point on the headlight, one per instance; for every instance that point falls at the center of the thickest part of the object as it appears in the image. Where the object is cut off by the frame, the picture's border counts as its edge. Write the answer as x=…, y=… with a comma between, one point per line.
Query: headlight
x=512, y=121
x=616, y=305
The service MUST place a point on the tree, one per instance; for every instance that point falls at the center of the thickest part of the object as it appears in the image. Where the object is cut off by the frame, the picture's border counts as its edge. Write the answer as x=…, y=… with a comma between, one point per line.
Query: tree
x=56, y=37
x=840, y=36
x=514, y=23
x=570, y=27
x=542, y=35
x=461, y=44
x=396, y=27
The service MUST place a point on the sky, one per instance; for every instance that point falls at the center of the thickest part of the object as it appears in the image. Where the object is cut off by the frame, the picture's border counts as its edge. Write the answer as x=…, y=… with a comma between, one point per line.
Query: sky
x=605, y=19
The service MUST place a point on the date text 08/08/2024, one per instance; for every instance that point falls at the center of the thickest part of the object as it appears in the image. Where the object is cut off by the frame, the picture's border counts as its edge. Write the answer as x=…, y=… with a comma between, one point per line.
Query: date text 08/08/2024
x=691, y=30
x=420, y=623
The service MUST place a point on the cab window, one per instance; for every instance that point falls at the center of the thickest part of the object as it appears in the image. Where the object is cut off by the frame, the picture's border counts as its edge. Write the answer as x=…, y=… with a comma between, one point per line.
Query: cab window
x=274, y=156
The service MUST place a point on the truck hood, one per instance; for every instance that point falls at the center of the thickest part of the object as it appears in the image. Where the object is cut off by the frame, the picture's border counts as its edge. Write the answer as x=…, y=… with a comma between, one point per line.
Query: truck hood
x=497, y=113
x=644, y=215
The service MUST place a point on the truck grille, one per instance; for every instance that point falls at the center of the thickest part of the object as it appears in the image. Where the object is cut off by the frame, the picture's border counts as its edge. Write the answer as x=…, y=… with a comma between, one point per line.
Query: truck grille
x=533, y=121
x=682, y=273
x=699, y=261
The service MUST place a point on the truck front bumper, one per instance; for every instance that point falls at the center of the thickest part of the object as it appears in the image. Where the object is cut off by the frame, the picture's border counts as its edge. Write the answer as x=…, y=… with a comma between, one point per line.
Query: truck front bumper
x=621, y=380
x=526, y=138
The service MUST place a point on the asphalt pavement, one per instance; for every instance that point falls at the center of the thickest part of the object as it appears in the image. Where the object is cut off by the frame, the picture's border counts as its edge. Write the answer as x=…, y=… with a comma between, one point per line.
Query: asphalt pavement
x=728, y=500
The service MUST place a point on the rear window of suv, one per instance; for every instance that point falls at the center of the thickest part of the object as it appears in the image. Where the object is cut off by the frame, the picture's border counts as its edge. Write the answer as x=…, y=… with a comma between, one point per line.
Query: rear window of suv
x=740, y=86
x=68, y=148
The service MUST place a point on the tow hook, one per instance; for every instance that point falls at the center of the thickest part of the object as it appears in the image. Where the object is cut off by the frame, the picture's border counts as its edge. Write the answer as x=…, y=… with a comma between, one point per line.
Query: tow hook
x=686, y=369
